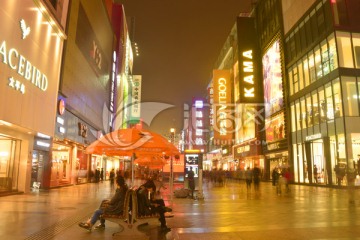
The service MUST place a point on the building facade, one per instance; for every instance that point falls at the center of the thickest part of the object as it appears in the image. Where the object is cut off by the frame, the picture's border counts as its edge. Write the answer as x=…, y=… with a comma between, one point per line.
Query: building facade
x=31, y=42
x=322, y=60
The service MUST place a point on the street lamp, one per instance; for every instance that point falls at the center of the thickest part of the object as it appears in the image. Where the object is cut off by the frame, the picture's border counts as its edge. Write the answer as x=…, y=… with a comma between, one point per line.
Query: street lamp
x=172, y=139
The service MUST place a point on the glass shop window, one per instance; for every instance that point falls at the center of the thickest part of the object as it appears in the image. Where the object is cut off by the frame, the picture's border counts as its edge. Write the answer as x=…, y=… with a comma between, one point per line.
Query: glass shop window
x=312, y=70
x=318, y=65
x=356, y=46
x=291, y=82
x=325, y=58
x=304, y=115
x=310, y=111
x=293, y=118
x=338, y=111
x=298, y=115
x=300, y=76
x=332, y=53
x=295, y=79
x=351, y=107
x=322, y=105
x=329, y=103
x=306, y=71
x=315, y=107
x=344, y=46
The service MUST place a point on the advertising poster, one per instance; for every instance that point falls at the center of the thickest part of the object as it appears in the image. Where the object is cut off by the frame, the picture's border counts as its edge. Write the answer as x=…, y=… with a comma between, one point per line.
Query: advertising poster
x=275, y=128
x=273, y=89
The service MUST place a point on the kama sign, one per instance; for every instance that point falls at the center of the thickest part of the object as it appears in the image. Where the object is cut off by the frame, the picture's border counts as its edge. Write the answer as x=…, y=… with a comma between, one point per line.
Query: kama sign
x=249, y=67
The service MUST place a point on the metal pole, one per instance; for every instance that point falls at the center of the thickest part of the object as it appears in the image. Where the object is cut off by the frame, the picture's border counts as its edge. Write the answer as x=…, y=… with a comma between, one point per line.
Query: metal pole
x=172, y=134
x=171, y=179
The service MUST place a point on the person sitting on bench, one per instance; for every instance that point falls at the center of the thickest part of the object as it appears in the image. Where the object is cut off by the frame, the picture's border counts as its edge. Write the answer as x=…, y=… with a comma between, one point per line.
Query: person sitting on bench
x=115, y=206
x=147, y=205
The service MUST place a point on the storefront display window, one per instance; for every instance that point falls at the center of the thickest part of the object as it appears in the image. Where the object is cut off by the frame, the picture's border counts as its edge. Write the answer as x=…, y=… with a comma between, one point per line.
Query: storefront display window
x=337, y=99
x=302, y=163
x=312, y=67
x=351, y=107
x=356, y=46
x=329, y=102
x=333, y=154
x=304, y=116
x=291, y=82
x=322, y=105
x=295, y=79
x=332, y=53
x=325, y=58
x=341, y=148
x=298, y=115
x=344, y=49
x=355, y=142
x=311, y=111
x=318, y=65
x=306, y=72
x=301, y=77
x=9, y=163
x=293, y=118
x=60, y=164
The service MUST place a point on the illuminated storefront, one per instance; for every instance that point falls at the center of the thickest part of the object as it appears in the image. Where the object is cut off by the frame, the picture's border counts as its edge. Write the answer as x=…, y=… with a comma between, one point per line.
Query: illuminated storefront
x=275, y=147
x=31, y=43
x=324, y=92
x=87, y=92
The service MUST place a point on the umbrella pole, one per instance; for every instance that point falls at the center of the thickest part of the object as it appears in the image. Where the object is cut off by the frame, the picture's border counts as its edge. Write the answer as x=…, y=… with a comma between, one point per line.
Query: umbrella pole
x=132, y=169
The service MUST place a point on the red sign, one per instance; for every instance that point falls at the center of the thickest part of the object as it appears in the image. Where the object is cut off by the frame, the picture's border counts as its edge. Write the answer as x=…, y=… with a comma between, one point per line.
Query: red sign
x=61, y=106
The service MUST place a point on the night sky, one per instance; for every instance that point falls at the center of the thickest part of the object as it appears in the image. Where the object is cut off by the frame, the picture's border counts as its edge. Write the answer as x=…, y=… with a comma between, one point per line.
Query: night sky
x=179, y=42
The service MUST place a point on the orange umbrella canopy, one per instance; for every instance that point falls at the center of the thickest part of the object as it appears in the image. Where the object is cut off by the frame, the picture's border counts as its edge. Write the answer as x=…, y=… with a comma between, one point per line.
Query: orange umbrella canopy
x=151, y=161
x=126, y=142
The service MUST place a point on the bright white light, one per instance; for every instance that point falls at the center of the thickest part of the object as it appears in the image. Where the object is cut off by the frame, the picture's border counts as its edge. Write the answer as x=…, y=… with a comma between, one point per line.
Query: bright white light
x=43, y=144
x=43, y=135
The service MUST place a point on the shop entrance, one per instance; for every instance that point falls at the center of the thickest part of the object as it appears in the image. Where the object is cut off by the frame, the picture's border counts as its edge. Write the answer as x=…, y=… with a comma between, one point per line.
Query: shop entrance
x=39, y=158
x=9, y=163
x=318, y=161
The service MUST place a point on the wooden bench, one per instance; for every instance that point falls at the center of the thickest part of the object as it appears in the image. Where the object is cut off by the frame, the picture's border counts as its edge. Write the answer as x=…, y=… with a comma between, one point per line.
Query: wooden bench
x=130, y=220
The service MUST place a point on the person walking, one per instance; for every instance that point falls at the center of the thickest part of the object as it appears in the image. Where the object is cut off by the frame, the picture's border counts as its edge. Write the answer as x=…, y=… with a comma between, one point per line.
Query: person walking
x=315, y=171
x=256, y=177
x=112, y=178
x=191, y=180
x=102, y=175
x=114, y=206
x=275, y=176
x=248, y=178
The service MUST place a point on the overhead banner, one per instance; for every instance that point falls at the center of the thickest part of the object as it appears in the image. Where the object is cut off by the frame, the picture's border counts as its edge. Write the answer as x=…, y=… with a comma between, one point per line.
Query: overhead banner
x=223, y=120
x=136, y=97
x=249, y=62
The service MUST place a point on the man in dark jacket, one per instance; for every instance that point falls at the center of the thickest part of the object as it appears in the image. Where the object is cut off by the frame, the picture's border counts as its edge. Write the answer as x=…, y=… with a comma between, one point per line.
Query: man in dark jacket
x=114, y=206
x=147, y=205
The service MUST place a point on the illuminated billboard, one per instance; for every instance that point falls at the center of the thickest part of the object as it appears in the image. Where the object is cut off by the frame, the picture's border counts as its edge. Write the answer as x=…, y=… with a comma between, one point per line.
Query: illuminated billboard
x=275, y=128
x=223, y=123
x=272, y=75
x=249, y=63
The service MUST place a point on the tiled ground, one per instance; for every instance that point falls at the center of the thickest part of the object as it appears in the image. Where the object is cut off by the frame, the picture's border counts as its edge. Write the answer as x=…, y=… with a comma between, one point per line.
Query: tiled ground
x=228, y=212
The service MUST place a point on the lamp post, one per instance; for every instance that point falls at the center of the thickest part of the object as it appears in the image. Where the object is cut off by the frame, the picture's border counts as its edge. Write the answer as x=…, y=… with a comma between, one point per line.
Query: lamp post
x=172, y=139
